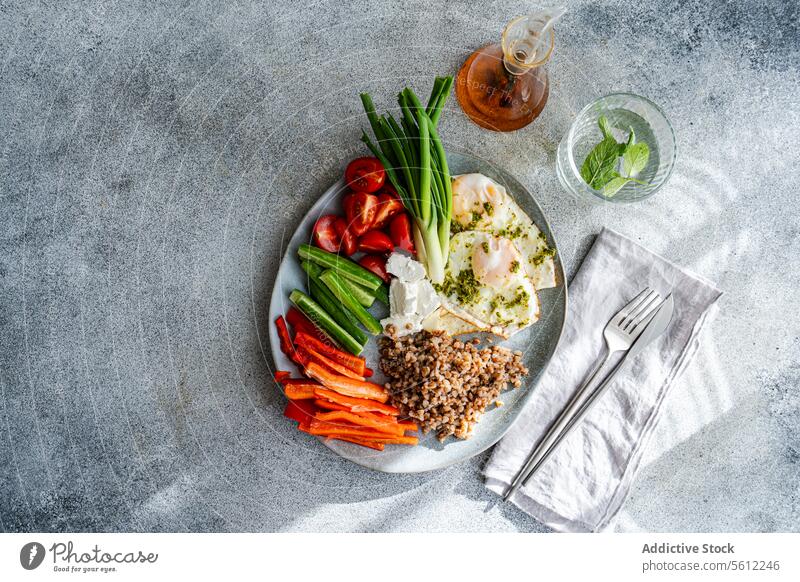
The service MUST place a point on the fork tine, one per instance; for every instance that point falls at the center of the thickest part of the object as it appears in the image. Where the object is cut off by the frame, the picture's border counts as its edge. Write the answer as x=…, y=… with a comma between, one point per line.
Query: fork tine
x=623, y=313
x=644, y=307
x=642, y=319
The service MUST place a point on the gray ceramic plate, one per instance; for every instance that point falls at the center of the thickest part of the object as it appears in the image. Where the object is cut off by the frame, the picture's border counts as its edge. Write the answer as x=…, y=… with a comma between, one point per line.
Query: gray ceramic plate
x=538, y=342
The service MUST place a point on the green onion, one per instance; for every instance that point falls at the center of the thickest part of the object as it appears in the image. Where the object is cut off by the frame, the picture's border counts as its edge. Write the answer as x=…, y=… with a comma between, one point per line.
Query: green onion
x=416, y=165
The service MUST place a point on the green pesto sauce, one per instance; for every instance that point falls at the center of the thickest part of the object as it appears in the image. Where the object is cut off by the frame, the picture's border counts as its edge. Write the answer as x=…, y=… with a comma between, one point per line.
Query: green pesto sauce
x=464, y=286
x=485, y=247
x=540, y=257
x=456, y=227
x=488, y=208
x=514, y=266
x=512, y=233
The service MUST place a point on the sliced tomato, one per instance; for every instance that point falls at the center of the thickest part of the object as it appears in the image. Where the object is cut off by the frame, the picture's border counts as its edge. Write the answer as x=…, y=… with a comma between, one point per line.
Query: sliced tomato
x=325, y=235
x=400, y=231
x=365, y=174
x=376, y=264
x=389, y=204
x=347, y=240
x=375, y=241
x=360, y=209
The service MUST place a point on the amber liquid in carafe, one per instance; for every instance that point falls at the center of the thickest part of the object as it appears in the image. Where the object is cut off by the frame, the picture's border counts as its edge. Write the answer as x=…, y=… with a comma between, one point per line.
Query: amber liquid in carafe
x=504, y=86
x=496, y=99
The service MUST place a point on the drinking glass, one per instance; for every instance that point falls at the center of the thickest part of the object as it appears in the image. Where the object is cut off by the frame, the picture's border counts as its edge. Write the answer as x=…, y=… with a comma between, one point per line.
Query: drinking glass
x=624, y=111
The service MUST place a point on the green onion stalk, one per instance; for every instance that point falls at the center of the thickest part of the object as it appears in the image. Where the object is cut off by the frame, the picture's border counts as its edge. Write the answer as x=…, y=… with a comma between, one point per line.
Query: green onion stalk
x=412, y=153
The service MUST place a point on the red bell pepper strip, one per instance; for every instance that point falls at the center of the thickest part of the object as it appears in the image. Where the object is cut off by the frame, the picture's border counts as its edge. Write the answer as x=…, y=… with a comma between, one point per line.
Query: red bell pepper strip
x=300, y=322
x=282, y=375
x=302, y=411
x=287, y=346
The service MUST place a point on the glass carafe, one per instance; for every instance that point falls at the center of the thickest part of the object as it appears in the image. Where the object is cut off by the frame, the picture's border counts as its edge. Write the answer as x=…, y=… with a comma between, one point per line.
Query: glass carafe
x=504, y=86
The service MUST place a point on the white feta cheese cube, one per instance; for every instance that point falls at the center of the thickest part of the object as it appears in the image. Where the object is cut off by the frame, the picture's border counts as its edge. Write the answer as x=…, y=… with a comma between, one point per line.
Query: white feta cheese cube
x=405, y=268
x=402, y=297
x=427, y=299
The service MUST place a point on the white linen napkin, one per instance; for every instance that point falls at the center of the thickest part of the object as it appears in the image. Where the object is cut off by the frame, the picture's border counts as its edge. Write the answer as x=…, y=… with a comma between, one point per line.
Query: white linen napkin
x=585, y=482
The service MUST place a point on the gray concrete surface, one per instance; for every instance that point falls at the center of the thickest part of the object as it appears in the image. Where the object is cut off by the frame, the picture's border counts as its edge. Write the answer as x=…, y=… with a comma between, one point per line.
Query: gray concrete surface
x=152, y=156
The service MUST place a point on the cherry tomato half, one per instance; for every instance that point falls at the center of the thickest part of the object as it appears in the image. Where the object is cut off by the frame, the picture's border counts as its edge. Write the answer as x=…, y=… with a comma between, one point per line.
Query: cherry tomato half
x=375, y=241
x=400, y=231
x=360, y=209
x=376, y=264
x=388, y=205
x=365, y=175
x=347, y=241
x=325, y=235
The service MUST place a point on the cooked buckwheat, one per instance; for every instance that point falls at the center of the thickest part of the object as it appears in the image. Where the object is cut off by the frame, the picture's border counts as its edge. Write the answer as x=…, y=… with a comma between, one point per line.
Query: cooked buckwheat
x=444, y=383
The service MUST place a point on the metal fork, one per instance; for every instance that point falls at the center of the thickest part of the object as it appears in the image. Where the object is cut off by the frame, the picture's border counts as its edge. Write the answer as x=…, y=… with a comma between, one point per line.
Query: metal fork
x=620, y=332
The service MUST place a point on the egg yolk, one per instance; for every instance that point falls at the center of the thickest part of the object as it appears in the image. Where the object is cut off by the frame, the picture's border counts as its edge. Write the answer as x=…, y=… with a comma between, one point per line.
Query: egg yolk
x=471, y=195
x=495, y=261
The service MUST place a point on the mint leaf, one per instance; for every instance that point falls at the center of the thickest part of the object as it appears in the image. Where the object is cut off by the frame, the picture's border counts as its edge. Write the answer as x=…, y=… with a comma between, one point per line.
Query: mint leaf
x=605, y=127
x=599, y=167
x=614, y=186
x=635, y=157
x=630, y=142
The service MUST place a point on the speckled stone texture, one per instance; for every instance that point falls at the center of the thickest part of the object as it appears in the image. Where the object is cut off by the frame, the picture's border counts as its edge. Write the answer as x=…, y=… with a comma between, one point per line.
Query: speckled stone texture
x=153, y=156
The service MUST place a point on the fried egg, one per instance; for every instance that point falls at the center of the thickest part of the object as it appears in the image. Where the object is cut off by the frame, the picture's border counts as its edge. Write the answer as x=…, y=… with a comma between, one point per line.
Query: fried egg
x=481, y=204
x=485, y=287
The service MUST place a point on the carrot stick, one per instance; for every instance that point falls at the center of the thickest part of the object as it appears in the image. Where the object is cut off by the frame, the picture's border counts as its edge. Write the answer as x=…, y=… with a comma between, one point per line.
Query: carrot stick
x=299, y=391
x=330, y=405
x=356, y=404
x=358, y=441
x=336, y=366
x=403, y=440
x=323, y=428
x=412, y=426
x=345, y=385
x=386, y=426
x=302, y=381
x=354, y=363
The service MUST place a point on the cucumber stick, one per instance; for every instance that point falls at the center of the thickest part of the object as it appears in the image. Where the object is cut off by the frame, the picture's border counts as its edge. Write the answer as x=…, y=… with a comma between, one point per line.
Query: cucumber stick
x=343, y=267
x=322, y=295
x=334, y=282
x=320, y=317
x=382, y=294
x=365, y=297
